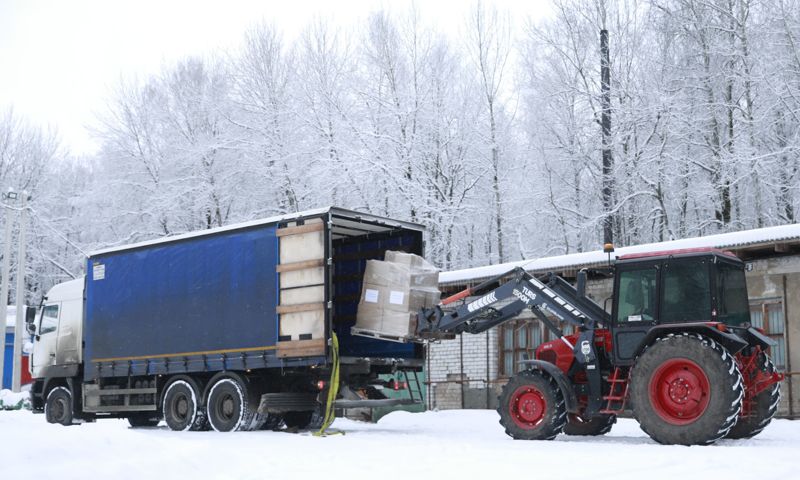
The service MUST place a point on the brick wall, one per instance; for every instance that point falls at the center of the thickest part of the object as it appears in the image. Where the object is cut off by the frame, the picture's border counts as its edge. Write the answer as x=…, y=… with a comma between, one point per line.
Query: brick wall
x=458, y=371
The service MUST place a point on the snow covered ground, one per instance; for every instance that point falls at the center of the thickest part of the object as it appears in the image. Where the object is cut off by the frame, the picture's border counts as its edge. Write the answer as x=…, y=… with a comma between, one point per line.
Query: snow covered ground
x=448, y=445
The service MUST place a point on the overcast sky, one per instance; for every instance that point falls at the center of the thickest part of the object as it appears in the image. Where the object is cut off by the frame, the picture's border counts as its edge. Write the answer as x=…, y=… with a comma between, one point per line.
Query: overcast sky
x=61, y=58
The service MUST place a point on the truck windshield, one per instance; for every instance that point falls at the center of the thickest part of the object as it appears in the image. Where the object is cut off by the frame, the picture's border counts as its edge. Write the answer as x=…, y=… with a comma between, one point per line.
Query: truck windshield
x=732, y=304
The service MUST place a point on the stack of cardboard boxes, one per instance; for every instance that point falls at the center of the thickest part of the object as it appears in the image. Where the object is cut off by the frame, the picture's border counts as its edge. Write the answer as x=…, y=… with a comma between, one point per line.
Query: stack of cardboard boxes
x=394, y=291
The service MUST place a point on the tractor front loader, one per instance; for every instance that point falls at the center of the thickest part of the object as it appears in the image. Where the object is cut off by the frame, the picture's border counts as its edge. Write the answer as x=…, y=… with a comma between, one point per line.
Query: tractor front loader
x=677, y=350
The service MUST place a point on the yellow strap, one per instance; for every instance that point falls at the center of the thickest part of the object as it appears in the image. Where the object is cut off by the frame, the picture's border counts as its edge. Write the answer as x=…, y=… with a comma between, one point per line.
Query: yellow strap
x=333, y=391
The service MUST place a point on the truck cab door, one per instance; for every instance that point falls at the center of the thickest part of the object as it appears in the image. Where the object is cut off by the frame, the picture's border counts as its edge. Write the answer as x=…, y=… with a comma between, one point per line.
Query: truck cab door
x=45, y=342
x=635, y=309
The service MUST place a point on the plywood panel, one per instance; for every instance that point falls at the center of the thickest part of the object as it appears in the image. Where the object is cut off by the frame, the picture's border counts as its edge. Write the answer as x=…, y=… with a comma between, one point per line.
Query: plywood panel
x=302, y=247
x=299, y=278
x=297, y=296
x=302, y=323
x=301, y=348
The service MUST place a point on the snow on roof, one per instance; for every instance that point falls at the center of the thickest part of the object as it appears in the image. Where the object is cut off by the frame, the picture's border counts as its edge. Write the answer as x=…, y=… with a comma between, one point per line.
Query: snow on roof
x=597, y=257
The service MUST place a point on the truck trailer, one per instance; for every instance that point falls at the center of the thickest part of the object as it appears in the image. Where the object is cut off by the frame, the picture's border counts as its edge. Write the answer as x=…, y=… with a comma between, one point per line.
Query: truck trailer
x=231, y=328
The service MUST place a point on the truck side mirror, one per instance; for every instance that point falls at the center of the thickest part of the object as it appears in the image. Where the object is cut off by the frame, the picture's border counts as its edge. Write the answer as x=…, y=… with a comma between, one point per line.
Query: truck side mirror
x=30, y=320
x=581, y=287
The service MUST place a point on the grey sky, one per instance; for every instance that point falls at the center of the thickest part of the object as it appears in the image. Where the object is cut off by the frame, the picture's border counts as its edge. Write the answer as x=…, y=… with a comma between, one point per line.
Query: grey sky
x=60, y=59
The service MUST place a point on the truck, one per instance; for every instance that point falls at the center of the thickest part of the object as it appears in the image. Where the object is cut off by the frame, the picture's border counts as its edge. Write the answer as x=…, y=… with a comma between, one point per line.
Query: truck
x=241, y=327
x=677, y=350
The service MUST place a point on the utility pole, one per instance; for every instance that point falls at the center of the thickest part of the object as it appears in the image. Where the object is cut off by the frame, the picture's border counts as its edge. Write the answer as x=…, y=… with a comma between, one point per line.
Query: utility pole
x=19, y=332
x=11, y=195
x=608, y=160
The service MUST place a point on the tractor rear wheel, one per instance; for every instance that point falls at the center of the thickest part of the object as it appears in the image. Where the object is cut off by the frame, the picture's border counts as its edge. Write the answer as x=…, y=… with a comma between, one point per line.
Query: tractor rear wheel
x=763, y=407
x=687, y=390
x=531, y=407
x=597, y=425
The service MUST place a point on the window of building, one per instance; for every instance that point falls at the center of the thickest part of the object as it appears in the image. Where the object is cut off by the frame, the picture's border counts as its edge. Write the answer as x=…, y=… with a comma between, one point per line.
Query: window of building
x=523, y=337
x=49, y=319
x=517, y=339
x=768, y=316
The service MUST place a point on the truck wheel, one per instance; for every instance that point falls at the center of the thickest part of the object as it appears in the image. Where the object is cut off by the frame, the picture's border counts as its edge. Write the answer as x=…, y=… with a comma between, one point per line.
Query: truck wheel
x=143, y=420
x=596, y=425
x=231, y=406
x=531, y=407
x=763, y=408
x=181, y=406
x=58, y=406
x=686, y=390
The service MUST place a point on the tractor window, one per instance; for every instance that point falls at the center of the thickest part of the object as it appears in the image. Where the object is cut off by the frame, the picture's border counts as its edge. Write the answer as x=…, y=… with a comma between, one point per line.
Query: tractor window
x=732, y=305
x=686, y=293
x=637, y=296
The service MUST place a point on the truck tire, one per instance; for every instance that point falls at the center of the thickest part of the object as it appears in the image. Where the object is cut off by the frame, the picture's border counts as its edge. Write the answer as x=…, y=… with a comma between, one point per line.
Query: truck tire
x=596, y=425
x=686, y=389
x=143, y=420
x=763, y=409
x=58, y=406
x=531, y=407
x=181, y=406
x=231, y=404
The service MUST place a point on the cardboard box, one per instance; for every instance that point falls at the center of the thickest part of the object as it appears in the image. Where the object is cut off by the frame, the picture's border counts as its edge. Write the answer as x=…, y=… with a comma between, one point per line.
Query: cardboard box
x=398, y=323
x=394, y=291
x=403, y=258
x=386, y=274
x=369, y=317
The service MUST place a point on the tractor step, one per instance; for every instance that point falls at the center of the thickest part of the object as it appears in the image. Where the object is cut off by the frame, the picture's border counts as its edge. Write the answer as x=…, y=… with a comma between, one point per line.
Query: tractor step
x=617, y=393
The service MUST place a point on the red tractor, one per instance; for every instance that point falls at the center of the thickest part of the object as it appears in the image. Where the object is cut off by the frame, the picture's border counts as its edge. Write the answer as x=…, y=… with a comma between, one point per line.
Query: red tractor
x=677, y=350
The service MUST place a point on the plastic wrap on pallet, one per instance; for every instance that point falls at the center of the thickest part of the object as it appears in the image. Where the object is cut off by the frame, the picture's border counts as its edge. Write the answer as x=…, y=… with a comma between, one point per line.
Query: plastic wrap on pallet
x=393, y=292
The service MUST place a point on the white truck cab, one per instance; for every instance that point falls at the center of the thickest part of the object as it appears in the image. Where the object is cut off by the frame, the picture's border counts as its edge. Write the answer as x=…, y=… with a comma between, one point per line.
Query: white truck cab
x=58, y=328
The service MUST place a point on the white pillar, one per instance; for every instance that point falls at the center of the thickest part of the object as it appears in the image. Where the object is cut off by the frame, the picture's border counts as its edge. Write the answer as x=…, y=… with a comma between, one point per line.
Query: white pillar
x=4, y=288
x=19, y=332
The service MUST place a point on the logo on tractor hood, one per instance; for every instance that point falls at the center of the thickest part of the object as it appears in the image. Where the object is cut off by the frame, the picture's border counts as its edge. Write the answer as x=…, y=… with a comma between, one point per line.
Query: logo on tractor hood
x=482, y=302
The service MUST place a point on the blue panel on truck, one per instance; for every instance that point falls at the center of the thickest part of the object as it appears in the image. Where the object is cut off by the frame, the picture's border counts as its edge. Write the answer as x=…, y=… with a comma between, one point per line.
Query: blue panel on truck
x=194, y=296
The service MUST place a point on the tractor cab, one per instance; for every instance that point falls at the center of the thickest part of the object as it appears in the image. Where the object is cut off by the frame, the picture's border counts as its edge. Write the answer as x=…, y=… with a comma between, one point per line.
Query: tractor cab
x=674, y=287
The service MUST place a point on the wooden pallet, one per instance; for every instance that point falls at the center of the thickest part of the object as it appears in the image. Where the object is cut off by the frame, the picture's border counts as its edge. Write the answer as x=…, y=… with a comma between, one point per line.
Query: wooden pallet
x=389, y=337
x=364, y=332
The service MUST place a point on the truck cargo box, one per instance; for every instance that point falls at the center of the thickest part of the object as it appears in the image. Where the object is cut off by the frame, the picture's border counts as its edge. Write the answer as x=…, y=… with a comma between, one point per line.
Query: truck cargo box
x=260, y=294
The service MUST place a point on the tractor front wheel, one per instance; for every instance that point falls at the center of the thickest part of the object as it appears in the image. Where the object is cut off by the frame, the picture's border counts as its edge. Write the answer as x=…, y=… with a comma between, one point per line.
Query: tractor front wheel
x=531, y=407
x=686, y=390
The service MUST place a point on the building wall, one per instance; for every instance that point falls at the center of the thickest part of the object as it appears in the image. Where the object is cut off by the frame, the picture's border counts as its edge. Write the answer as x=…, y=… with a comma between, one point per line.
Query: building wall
x=779, y=279
x=458, y=373
x=765, y=280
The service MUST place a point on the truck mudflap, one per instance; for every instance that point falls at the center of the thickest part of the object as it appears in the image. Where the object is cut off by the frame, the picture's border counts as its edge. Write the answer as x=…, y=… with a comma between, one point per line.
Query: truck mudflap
x=570, y=398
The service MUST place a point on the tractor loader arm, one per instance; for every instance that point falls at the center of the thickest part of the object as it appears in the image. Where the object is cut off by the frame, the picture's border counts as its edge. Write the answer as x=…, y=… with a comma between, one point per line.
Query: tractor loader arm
x=501, y=301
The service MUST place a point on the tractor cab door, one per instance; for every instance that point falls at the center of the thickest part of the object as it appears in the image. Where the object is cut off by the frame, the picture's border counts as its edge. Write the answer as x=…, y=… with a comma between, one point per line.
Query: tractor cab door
x=635, y=309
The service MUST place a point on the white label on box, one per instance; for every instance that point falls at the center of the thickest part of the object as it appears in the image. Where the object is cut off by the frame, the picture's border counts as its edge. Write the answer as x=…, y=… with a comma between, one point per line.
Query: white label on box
x=98, y=271
x=396, y=298
x=371, y=296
